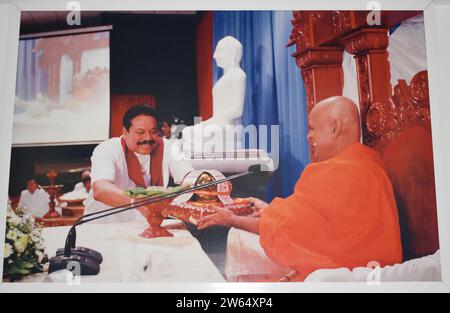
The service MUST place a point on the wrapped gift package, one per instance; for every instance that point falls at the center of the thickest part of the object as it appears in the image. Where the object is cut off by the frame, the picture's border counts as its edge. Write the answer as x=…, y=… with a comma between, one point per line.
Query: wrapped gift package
x=191, y=207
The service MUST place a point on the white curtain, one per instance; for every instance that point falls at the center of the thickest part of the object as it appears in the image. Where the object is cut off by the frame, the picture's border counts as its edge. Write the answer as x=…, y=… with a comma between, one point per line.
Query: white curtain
x=350, y=77
x=407, y=50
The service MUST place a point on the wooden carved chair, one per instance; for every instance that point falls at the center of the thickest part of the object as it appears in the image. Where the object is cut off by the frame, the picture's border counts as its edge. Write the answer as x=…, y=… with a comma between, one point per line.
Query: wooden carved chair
x=400, y=130
x=394, y=123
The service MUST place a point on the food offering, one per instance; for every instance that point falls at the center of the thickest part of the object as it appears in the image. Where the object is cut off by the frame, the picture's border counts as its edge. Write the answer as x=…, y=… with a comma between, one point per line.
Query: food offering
x=187, y=206
x=153, y=211
x=190, y=207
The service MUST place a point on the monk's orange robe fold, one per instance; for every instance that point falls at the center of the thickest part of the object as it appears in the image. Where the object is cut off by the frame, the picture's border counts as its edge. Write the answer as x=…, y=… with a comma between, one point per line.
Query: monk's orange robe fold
x=342, y=214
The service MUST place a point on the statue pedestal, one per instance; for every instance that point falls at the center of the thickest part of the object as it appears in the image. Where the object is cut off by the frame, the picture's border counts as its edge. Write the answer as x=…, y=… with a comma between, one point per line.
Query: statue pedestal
x=212, y=138
x=231, y=162
x=214, y=147
x=238, y=161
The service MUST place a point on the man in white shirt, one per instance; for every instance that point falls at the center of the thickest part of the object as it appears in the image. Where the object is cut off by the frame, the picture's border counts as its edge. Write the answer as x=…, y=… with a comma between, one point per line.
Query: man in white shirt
x=140, y=157
x=34, y=199
x=85, y=184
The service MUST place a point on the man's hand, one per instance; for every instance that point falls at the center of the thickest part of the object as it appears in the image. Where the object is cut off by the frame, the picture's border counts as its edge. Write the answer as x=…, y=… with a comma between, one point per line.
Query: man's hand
x=223, y=217
x=258, y=206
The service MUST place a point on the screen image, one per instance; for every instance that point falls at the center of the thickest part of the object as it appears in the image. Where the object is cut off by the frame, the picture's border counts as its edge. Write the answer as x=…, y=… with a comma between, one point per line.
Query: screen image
x=62, y=91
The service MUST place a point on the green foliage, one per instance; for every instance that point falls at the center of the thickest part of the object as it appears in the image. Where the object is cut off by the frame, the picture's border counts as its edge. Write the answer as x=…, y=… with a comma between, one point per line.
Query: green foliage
x=140, y=192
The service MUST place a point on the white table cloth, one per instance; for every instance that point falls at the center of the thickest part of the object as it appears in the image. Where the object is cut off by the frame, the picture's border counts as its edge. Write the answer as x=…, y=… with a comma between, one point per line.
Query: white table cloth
x=130, y=258
x=246, y=260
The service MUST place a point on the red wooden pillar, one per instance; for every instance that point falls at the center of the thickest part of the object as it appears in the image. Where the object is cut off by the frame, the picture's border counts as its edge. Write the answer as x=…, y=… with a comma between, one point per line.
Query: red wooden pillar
x=374, y=76
x=322, y=73
x=204, y=56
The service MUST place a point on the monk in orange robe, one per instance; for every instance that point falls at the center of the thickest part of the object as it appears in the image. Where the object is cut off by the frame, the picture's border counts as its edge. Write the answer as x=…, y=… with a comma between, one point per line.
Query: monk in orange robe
x=342, y=212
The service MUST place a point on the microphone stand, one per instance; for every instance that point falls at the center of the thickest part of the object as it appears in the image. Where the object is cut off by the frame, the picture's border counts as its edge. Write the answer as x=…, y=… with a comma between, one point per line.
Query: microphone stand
x=88, y=258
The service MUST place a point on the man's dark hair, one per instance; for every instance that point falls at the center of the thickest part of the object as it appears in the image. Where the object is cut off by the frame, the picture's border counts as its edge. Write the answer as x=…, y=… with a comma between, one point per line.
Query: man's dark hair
x=166, y=119
x=134, y=111
x=31, y=178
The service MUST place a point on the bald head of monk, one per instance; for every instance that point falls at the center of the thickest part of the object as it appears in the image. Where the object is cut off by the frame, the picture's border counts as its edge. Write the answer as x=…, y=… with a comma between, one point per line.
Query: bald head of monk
x=334, y=125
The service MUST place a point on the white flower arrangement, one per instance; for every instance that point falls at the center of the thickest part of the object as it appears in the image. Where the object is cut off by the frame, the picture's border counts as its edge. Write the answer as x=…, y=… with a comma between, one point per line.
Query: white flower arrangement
x=24, y=251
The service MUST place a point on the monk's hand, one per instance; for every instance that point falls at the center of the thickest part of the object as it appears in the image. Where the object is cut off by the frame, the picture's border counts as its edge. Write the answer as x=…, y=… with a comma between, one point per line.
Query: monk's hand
x=258, y=206
x=222, y=216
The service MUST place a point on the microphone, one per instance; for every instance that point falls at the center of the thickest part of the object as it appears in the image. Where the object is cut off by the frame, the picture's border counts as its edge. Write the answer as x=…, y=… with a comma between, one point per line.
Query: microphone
x=89, y=260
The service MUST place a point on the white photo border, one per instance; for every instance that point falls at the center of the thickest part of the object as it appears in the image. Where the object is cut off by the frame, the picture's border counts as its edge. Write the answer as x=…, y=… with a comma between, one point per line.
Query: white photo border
x=437, y=26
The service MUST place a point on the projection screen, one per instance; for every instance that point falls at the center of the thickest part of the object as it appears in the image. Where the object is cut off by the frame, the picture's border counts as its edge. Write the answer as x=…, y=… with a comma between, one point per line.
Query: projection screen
x=62, y=89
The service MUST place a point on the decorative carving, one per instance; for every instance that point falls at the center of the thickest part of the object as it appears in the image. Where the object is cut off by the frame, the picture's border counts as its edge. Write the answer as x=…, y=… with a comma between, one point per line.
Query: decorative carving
x=342, y=21
x=310, y=28
x=364, y=81
x=409, y=105
x=309, y=89
x=414, y=100
x=382, y=122
x=325, y=28
x=364, y=93
x=361, y=42
x=301, y=33
x=317, y=16
x=419, y=88
x=322, y=56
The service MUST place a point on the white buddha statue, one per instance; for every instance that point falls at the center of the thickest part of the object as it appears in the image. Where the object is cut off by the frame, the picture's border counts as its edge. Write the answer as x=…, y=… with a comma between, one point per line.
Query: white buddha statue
x=219, y=133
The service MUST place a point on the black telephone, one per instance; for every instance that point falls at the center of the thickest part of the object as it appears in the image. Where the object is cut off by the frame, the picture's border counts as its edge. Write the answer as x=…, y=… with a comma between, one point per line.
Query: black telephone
x=83, y=252
x=87, y=266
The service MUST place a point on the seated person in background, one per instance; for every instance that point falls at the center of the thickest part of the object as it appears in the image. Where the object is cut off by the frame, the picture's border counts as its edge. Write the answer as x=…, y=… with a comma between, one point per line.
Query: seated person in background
x=342, y=212
x=166, y=128
x=140, y=157
x=34, y=199
x=85, y=184
x=81, y=190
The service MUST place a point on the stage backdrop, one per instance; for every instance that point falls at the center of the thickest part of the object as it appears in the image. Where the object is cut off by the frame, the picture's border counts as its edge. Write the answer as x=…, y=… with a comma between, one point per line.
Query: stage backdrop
x=62, y=91
x=275, y=90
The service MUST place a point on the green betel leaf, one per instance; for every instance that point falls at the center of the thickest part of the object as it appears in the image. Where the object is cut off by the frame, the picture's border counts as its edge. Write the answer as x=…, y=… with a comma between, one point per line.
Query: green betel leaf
x=133, y=192
x=140, y=192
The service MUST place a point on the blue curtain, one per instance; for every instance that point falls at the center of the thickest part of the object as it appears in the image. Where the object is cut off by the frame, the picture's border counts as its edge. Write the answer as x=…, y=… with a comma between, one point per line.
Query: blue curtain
x=275, y=91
